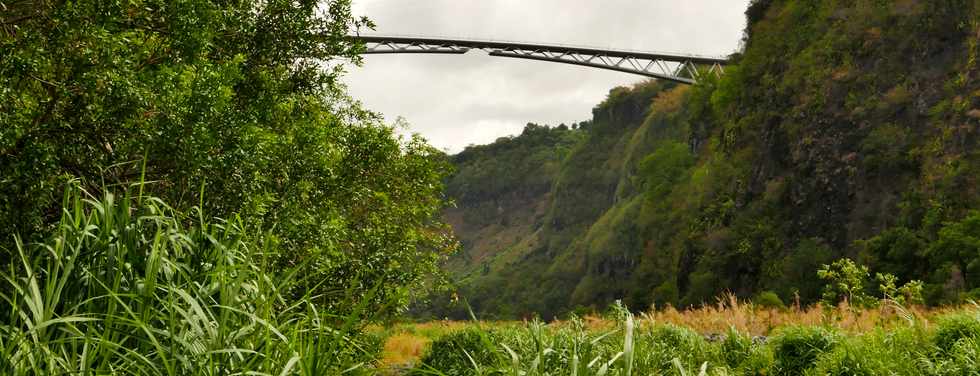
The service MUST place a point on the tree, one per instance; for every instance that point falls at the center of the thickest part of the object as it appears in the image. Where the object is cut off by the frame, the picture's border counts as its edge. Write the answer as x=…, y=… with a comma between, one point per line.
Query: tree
x=845, y=282
x=796, y=271
x=898, y=251
x=959, y=244
x=232, y=106
x=848, y=281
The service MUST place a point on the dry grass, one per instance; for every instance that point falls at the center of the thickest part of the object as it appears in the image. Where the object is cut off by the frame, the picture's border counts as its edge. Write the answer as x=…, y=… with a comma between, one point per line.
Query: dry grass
x=407, y=342
x=403, y=349
x=729, y=312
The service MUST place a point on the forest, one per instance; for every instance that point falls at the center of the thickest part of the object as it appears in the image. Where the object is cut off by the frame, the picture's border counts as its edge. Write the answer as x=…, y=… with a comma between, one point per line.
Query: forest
x=186, y=187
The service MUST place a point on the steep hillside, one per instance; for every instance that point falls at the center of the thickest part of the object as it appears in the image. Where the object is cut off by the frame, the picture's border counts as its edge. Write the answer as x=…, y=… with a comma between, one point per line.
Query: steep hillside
x=502, y=191
x=846, y=128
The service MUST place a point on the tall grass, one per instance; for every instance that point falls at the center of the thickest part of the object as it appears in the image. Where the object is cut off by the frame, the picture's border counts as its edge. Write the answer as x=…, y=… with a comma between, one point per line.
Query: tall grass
x=127, y=285
x=748, y=318
x=949, y=346
x=536, y=349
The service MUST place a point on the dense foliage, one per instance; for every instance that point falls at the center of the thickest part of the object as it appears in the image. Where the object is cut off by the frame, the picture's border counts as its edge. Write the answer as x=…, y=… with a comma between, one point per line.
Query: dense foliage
x=844, y=129
x=230, y=106
x=127, y=128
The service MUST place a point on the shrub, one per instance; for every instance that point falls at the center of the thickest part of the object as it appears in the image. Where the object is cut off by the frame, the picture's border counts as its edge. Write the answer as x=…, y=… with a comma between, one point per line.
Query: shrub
x=736, y=348
x=664, y=343
x=956, y=328
x=768, y=299
x=893, y=353
x=461, y=353
x=851, y=360
x=759, y=362
x=673, y=336
x=795, y=349
x=962, y=359
x=972, y=295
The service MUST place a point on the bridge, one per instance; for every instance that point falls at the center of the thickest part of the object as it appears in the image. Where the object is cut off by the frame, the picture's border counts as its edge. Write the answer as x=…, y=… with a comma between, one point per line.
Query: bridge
x=685, y=69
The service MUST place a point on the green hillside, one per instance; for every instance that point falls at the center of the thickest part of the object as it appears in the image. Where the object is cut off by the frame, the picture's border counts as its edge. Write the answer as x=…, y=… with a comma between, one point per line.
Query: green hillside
x=844, y=129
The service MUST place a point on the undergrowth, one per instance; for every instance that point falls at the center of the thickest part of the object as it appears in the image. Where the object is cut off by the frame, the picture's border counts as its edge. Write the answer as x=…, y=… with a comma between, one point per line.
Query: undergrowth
x=125, y=284
x=911, y=345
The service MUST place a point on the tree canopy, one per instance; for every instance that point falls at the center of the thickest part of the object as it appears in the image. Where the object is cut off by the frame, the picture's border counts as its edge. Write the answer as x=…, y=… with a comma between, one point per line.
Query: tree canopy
x=233, y=106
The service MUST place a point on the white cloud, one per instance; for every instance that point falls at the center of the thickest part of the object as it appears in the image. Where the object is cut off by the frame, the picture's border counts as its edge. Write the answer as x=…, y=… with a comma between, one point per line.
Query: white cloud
x=456, y=100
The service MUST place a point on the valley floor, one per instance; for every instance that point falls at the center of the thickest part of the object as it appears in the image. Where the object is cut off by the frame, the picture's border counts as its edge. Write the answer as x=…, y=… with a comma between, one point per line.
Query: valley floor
x=730, y=337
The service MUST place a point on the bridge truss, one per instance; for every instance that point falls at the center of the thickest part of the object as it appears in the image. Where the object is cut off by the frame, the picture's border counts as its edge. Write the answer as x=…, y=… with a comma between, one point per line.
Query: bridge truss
x=686, y=69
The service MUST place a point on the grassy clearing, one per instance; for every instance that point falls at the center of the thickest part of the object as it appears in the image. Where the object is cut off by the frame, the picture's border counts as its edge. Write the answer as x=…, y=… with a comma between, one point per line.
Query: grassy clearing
x=729, y=338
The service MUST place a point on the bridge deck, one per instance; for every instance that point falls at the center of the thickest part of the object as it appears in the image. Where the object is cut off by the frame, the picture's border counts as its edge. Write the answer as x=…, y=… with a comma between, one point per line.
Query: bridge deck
x=497, y=45
x=680, y=68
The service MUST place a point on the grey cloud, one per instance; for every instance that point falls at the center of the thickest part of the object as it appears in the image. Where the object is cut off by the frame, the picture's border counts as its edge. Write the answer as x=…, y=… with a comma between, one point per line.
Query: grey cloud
x=459, y=100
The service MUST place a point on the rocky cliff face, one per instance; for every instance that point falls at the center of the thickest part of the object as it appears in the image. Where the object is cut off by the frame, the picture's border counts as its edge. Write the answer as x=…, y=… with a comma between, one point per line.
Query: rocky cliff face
x=845, y=128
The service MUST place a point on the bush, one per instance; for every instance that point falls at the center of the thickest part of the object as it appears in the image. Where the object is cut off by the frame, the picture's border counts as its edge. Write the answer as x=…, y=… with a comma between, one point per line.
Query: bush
x=677, y=337
x=954, y=329
x=666, y=342
x=851, y=360
x=962, y=359
x=894, y=353
x=759, y=362
x=461, y=353
x=736, y=348
x=970, y=296
x=768, y=299
x=796, y=349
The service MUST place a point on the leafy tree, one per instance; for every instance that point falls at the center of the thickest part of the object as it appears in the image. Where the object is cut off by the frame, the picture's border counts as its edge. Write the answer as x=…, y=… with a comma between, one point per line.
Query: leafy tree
x=845, y=282
x=959, y=244
x=233, y=106
x=909, y=293
x=848, y=281
x=899, y=251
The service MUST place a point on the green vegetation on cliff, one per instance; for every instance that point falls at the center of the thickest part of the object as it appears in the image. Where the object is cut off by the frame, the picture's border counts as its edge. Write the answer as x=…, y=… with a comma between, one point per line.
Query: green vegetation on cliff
x=844, y=129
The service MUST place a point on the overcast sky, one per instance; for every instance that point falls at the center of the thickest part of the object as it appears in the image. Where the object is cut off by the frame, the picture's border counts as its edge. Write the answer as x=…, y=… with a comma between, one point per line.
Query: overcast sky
x=457, y=100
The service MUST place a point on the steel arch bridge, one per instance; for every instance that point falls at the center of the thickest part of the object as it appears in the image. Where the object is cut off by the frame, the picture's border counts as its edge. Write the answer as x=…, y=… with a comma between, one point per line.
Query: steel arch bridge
x=685, y=69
